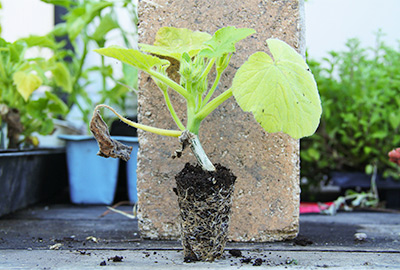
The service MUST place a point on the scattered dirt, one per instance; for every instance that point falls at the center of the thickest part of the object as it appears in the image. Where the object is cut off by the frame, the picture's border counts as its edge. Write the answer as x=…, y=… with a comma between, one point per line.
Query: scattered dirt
x=116, y=258
x=258, y=262
x=246, y=260
x=235, y=253
x=302, y=241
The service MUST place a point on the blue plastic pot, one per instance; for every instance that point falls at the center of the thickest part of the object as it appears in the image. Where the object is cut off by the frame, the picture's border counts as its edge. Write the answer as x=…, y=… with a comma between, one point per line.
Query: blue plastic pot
x=93, y=179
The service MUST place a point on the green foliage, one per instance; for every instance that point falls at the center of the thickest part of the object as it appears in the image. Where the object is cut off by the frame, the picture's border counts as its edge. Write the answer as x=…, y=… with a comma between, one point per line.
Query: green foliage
x=88, y=25
x=66, y=73
x=20, y=77
x=281, y=92
x=133, y=57
x=360, y=94
x=173, y=42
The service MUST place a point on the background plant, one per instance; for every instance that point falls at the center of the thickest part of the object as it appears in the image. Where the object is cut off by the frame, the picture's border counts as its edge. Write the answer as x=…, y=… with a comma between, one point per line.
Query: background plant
x=360, y=95
x=20, y=76
x=90, y=24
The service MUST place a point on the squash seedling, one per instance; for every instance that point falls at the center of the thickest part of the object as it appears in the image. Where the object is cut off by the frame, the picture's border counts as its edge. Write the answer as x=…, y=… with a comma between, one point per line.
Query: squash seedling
x=278, y=88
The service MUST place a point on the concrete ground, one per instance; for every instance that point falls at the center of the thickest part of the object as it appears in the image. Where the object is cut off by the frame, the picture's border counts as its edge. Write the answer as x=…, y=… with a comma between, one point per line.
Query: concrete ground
x=76, y=237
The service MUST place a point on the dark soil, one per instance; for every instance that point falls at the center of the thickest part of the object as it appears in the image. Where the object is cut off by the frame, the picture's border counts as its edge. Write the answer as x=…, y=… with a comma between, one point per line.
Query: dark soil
x=235, y=253
x=201, y=183
x=302, y=241
x=116, y=258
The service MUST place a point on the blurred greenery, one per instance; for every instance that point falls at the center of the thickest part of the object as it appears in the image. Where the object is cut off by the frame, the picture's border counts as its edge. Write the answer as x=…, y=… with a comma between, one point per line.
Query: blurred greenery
x=65, y=72
x=360, y=95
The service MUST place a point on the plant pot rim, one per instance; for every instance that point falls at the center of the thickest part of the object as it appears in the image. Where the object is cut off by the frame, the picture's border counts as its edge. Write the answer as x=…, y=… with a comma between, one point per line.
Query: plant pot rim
x=31, y=152
x=90, y=137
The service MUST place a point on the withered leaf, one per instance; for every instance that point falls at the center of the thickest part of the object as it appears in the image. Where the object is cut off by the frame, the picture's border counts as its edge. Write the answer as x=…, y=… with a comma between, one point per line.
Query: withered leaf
x=108, y=147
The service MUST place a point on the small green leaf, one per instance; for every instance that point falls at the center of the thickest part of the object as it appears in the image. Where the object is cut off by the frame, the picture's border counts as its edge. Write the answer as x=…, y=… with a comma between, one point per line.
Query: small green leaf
x=224, y=41
x=132, y=57
x=56, y=105
x=107, y=23
x=41, y=41
x=62, y=77
x=79, y=17
x=281, y=91
x=173, y=42
x=394, y=119
x=26, y=83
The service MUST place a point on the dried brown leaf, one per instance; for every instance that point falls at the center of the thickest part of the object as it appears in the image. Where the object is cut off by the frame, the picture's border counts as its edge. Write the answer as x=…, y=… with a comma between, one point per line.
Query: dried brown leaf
x=108, y=147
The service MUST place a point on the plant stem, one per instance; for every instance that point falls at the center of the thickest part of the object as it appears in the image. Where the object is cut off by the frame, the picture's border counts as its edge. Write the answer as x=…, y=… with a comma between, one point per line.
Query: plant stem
x=172, y=111
x=178, y=88
x=207, y=69
x=214, y=86
x=159, y=131
x=200, y=155
x=192, y=139
x=212, y=105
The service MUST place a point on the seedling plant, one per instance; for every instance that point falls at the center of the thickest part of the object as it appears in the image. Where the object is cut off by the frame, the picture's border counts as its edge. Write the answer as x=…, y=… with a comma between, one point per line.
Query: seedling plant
x=278, y=88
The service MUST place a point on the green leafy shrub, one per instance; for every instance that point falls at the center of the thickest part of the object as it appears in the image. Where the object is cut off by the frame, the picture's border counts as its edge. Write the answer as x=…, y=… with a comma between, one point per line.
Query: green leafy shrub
x=20, y=77
x=89, y=25
x=360, y=95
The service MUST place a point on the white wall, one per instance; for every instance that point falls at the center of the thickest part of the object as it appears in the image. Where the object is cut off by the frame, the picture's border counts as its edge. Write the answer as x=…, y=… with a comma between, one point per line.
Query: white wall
x=21, y=18
x=329, y=23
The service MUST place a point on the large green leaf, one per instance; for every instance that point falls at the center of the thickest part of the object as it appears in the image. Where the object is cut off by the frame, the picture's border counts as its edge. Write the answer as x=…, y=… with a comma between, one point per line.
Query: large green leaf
x=26, y=83
x=173, y=42
x=224, y=41
x=280, y=91
x=132, y=57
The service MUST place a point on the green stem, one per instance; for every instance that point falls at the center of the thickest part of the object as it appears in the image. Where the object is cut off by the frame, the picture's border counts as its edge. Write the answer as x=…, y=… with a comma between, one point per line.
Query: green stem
x=81, y=62
x=193, y=123
x=212, y=105
x=103, y=80
x=214, y=86
x=159, y=131
x=178, y=88
x=172, y=111
x=207, y=69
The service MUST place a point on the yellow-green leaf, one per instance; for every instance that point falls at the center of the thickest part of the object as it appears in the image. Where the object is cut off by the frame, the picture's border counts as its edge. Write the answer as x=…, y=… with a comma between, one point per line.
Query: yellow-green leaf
x=280, y=91
x=26, y=83
x=173, y=42
x=132, y=57
x=62, y=77
x=224, y=41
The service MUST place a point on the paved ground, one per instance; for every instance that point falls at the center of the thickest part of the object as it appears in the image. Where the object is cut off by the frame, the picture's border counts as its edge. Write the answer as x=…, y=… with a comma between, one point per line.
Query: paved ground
x=72, y=237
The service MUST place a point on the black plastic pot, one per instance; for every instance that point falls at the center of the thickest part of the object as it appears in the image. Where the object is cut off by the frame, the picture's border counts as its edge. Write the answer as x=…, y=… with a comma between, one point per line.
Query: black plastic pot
x=30, y=176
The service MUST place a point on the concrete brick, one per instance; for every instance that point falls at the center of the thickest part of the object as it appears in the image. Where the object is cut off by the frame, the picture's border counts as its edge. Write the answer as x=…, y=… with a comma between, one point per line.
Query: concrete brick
x=266, y=200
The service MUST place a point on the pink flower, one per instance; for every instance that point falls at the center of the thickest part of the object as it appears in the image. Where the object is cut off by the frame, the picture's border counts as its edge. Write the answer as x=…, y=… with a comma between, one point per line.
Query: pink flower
x=394, y=156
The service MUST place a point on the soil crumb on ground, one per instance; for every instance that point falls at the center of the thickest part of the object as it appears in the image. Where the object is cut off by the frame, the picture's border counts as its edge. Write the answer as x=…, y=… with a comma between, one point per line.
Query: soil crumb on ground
x=235, y=253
